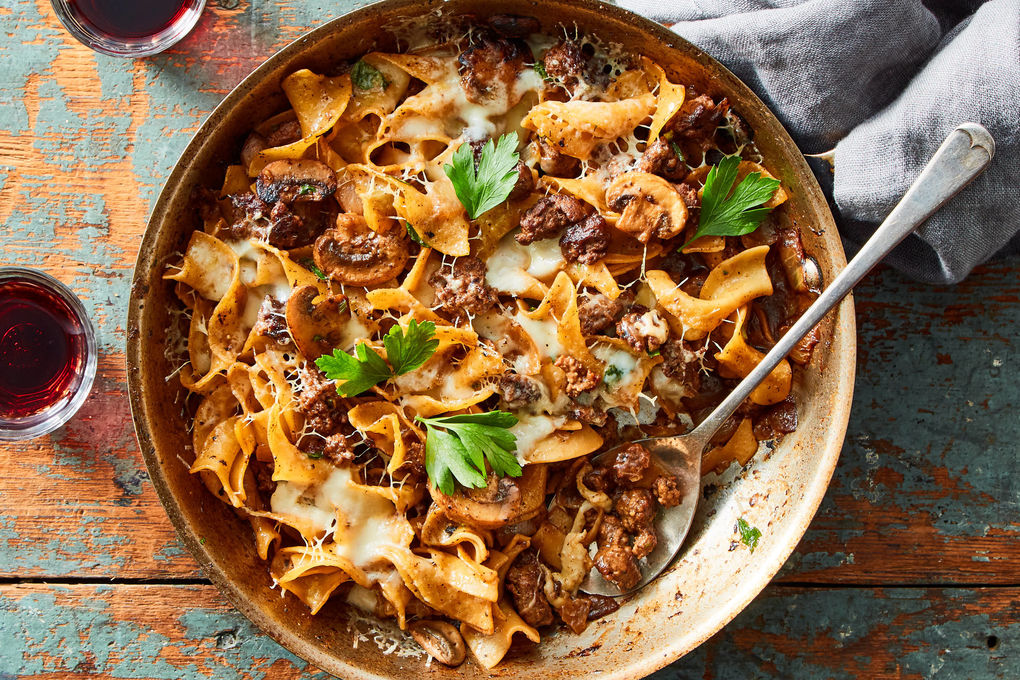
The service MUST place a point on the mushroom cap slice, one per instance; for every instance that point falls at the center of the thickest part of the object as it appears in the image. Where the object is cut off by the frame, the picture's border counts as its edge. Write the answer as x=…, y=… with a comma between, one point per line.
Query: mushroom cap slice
x=506, y=500
x=650, y=205
x=440, y=639
x=352, y=253
x=290, y=180
x=316, y=327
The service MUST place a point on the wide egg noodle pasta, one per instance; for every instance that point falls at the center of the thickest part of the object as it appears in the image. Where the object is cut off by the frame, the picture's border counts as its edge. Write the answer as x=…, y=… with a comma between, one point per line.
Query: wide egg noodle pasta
x=354, y=521
x=731, y=284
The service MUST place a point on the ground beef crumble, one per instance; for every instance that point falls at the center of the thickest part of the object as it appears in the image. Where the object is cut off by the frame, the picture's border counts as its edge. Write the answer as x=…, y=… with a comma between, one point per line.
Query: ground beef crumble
x=627, y=533
x=524, y=580
x=579, y=377
x=462, y=287
x=549, y=216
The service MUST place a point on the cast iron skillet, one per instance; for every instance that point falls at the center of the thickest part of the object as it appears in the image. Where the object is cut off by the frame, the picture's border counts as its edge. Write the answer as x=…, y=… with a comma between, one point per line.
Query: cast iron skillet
x=709, y=584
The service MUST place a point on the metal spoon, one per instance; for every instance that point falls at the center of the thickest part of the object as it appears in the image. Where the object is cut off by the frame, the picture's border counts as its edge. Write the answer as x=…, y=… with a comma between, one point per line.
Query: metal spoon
x=964, y=154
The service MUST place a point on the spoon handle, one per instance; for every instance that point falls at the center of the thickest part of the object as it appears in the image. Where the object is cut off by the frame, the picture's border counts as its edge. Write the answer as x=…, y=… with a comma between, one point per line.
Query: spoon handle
x=964, y=154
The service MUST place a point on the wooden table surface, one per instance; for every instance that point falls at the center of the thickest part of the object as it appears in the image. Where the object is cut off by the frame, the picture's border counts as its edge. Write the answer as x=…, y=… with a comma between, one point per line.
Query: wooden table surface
x=910, y=570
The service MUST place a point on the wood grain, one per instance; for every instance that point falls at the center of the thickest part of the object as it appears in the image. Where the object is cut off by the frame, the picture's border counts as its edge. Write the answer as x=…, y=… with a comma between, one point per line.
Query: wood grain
x=186, y=633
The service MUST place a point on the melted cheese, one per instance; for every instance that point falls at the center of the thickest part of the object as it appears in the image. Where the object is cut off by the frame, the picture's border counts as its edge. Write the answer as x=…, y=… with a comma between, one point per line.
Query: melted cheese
x=363, y=522
x=531, y=429
x=507, y=268
x=544, y=332
x=546, y=258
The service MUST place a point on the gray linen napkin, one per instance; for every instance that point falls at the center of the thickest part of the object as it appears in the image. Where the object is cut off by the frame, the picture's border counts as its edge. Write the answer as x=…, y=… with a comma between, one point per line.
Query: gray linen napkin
x=882, y=81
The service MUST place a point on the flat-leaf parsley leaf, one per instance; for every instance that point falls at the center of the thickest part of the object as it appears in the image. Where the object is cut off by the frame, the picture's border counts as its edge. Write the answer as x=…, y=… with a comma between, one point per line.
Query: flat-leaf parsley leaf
x=749, y=535
x=733, y=214
x=458, y=447
x=405, y=350
x=367, y=77
x=481, y=188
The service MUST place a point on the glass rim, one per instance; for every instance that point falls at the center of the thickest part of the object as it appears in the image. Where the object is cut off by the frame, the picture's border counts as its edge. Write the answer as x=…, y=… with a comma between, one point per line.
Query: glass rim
x=130, y=47
x=53, y=417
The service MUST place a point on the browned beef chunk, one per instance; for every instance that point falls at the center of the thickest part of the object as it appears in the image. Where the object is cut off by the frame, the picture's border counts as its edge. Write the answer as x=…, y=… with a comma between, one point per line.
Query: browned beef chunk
x=597, y=313
x=264, y=478
x=524, y=580
x=601, y=605
x=298, y=224
x=690, y=195
x=489, y=67
x=680, y=363
x=565, y=62
x=514, y=25
x=319, y=403
x=615, y=560
x=579, y=377
x=555, y=163
x=698, y=119
x=571, y=63
x=661, y=159
x=462, y=289
x=778, y=420
x=518, y=391
x=667, y=491
x=586, y=242
x=636, y=510
x=334, y=448
x=549, y=216
x=250, y=216
x=643, y=330
x=272, y=321
x=525, y=183
x=630, y=464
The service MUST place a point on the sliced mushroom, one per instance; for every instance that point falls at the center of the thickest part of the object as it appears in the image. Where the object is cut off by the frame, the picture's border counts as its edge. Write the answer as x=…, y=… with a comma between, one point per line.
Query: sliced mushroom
x=354, y=254
x=316, y=328
x=650, y=205
x=440, y=639
x=506, y=500
x=295, y=180
x=253, y=146
x=802, y=272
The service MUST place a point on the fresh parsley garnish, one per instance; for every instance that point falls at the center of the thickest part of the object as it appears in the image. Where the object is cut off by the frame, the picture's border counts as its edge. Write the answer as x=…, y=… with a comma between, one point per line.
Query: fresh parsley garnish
x=305, y=189
x=414, y=235
x=314, y=455
x=458, y=447
x=733, y=214
x=749, y=535
x=367, y=77
x=481, y=188
x=405, y=351
x=309, y=264
x=611, y=375
x=542, y=73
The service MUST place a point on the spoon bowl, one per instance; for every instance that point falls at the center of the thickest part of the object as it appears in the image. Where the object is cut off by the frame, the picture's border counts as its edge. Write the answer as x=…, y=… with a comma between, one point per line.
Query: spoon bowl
x=964, y=155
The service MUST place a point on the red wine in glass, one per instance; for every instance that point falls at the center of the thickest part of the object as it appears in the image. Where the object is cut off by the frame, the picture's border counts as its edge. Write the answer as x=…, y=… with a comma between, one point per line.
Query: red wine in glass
x=126, y=19
x=47, y=353
x=128, y=28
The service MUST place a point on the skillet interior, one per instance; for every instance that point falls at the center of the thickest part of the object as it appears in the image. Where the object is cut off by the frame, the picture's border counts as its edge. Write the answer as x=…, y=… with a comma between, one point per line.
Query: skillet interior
x=708, y=586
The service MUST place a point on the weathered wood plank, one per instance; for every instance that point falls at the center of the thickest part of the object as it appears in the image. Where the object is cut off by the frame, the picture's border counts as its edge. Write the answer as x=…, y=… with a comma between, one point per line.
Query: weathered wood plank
x=927, y=488
x=187, y=632
x=925, y=491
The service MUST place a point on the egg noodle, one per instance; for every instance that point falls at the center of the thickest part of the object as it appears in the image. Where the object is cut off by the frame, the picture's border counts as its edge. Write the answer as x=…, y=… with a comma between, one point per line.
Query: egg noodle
x=340, y=224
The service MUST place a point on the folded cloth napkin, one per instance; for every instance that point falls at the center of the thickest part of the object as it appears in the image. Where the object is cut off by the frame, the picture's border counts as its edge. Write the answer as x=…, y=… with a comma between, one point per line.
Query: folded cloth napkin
x=884, y=83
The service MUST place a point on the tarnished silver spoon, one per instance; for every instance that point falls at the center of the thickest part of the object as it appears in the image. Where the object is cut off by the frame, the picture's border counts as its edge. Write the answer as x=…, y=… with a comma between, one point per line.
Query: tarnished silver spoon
x=964, y=154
